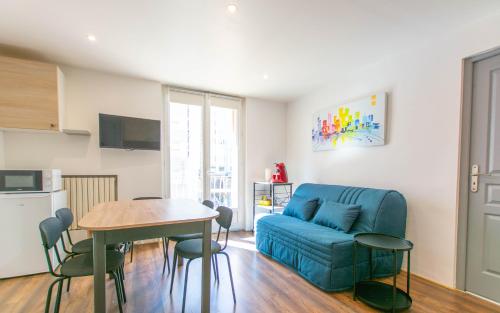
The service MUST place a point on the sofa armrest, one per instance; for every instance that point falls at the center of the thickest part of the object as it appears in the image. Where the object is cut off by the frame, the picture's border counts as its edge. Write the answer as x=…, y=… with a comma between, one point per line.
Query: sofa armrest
x=391, y=216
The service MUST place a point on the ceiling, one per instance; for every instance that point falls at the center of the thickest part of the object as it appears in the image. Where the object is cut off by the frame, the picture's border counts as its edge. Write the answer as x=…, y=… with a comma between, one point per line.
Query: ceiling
x=299, y=45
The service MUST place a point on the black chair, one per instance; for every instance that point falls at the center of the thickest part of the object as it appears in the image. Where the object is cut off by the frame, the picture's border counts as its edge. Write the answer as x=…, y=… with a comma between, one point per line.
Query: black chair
x=192, y=249
x=51, y=230
x=164, y=241
x=84, y=246
x=180, y=238
x=81, y=247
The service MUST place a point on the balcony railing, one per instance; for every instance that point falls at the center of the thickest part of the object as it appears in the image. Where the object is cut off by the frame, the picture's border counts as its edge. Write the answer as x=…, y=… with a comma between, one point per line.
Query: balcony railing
x=221, y=188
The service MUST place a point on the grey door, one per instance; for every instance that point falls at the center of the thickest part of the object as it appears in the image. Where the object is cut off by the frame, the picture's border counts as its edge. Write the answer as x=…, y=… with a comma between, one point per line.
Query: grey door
x=483, y=231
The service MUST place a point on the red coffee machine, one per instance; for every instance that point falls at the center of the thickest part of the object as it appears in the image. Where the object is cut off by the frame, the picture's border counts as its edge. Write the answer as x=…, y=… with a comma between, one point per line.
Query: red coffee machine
x=280, y=175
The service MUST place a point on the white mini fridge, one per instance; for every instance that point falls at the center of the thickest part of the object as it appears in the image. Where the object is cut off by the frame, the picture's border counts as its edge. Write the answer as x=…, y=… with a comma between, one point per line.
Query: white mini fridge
x=20, y=214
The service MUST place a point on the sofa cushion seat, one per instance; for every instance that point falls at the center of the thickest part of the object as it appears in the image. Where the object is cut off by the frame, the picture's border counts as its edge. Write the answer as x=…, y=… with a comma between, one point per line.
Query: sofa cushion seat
x=317, y=241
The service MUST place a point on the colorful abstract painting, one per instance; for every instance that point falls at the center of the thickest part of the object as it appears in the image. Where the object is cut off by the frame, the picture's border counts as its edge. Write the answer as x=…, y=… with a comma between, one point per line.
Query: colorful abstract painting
x=356, y=123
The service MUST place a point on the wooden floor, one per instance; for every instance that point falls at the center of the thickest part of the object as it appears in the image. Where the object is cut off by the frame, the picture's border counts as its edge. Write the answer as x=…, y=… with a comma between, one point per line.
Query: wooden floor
x=262, y=285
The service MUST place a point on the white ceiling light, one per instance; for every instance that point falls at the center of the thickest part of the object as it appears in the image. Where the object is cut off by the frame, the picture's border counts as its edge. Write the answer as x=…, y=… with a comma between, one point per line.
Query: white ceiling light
x=232, y=8
x=265, y=77
x=91, y=38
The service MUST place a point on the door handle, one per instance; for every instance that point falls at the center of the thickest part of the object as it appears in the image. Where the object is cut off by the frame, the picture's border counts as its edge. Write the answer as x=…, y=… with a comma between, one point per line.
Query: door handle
x=475, y=177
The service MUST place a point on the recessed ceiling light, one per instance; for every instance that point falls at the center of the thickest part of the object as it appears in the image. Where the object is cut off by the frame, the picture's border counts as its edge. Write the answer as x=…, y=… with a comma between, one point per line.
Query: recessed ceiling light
x=265, y=77
x=232, y=8
x=91, y=38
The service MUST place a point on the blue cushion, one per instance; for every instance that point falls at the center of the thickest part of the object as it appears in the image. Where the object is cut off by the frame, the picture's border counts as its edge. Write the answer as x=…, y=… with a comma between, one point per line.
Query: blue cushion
x=382, y=211
x=301, y=207
x=337, y=215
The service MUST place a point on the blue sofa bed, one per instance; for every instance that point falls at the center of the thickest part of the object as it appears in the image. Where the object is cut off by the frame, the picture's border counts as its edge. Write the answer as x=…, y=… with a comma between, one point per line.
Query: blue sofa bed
x=323, y=255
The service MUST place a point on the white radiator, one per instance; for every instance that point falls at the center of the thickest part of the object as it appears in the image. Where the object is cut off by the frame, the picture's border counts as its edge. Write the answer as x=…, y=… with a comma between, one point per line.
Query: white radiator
x=86, y=191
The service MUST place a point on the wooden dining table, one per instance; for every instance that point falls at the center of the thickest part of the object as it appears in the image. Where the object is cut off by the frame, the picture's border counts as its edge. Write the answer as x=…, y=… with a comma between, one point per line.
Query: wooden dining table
x=121, y=221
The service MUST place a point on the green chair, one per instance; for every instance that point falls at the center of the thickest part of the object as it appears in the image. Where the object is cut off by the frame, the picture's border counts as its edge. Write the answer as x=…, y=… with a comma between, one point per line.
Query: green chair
x=180, y=238
x=51, y=230
x=192, y=249
x=164, y=240
x=81, y=247
x=84, y=246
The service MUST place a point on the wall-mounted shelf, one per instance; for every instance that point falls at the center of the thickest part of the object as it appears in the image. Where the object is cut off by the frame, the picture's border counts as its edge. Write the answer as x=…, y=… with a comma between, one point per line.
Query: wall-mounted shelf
x=76, y=132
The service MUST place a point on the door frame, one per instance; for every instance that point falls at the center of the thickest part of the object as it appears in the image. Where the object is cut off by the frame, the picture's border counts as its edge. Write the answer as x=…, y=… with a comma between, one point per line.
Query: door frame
x=464, y=163
x=241, y=212
x=239, y=223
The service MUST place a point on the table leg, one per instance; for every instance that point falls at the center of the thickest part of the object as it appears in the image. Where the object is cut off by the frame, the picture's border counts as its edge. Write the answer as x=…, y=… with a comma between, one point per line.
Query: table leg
x=99, y=272
x=205, y=278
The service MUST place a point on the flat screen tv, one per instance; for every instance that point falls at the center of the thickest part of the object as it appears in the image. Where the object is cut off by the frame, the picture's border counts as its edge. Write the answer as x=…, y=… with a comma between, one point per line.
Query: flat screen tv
x=122, y=132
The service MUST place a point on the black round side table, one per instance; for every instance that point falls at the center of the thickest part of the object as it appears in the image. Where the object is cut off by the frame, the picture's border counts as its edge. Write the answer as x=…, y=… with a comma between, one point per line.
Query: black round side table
x=374, y=293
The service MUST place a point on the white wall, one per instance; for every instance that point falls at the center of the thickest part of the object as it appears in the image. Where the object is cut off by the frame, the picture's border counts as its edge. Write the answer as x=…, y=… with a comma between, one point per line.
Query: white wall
x=420, y=158
x=265, y=143
x=88, y=93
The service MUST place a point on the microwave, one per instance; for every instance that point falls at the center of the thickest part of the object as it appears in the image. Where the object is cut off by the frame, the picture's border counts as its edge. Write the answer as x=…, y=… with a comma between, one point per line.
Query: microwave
x=16, y=181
